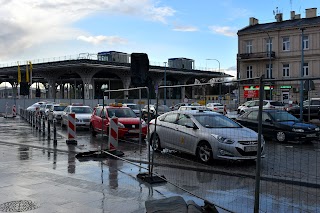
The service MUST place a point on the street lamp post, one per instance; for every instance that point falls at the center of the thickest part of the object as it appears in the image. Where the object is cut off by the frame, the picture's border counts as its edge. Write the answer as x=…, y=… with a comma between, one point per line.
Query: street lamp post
x=165, y=84
x=103, y=88
x=212, y=59
x=301, y=75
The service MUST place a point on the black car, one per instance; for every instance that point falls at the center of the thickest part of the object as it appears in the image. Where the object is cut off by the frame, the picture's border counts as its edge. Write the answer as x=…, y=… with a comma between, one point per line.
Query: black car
x=280, y=125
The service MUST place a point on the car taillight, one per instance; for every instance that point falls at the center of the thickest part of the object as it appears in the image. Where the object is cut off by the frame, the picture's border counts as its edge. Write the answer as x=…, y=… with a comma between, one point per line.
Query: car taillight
x=215, y=108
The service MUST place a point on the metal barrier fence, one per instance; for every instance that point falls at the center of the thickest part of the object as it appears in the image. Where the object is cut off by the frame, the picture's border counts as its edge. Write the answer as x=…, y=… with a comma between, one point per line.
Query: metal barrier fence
x=284, y=179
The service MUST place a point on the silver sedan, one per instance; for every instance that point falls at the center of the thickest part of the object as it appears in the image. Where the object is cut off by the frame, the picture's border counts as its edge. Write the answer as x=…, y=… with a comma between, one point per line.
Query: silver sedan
x=207, y=135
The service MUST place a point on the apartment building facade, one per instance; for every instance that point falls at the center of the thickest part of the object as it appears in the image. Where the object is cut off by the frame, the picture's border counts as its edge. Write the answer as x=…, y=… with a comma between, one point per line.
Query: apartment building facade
x=275, y=50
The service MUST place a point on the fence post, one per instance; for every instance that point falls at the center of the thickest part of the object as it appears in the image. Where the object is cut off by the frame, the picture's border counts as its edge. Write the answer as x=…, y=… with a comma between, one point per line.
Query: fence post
x=43, y=125
x=55, y=132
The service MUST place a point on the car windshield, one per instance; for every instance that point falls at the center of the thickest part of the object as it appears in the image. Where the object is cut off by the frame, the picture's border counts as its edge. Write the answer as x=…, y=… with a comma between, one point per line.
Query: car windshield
x=276, y=103
x=48, y=106
x=163, y=108
x=59, y=108
x=283, y=116
x=81, y=110
x=217, y=104
x=121, y=113
x=216, y=121
x=133, y=106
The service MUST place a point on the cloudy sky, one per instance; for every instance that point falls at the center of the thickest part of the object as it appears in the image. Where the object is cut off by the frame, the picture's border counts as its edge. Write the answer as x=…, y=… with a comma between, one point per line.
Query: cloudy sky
x=196, y=29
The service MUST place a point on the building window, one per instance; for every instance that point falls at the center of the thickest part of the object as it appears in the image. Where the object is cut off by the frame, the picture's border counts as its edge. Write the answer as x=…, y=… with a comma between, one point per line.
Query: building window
x=249, y=47
x=305, y=42
x=285, y=44
x=269, y=70
x=305, y=69
x=249, y=71
x=285, y=70
x=268, y=45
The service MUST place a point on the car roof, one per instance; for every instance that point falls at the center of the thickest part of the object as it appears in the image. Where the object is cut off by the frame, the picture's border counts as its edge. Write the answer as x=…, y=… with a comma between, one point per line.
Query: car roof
x=196, y=112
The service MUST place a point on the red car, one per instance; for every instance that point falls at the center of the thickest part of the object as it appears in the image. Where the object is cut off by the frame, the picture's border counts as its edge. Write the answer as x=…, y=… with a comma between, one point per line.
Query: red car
x=128, y=122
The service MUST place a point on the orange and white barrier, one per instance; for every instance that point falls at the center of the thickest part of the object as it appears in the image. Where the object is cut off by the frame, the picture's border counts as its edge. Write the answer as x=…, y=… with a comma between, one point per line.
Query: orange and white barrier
x=71, y=129
x=14, y=111
x=225, y=110
x=113, y=134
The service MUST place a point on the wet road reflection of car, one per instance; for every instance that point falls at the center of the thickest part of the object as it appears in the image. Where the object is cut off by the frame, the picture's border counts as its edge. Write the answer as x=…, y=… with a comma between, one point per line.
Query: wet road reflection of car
x=207, y=135
x=280, y=125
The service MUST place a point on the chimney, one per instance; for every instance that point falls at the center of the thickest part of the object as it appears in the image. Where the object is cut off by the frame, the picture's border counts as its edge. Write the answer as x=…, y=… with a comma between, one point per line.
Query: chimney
x=279, y=17
x=298, y=16
x=253, y=21
x=311, y=12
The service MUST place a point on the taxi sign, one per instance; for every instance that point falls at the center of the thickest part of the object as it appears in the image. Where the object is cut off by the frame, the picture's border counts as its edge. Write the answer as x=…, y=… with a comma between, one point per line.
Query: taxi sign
x=116, y=104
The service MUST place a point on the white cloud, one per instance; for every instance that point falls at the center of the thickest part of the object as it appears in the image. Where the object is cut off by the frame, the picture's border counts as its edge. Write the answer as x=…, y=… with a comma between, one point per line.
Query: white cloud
x=225, y=30
x=185, y=28
x=25, y=23
x=100, y=39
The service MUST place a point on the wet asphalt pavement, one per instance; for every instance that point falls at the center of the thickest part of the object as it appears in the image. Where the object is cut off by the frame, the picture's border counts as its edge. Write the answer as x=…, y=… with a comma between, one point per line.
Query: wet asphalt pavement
x=54, y=180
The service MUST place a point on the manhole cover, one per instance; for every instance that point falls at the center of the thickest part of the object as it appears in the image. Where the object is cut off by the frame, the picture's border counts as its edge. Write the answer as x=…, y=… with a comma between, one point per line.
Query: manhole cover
x=18, y=206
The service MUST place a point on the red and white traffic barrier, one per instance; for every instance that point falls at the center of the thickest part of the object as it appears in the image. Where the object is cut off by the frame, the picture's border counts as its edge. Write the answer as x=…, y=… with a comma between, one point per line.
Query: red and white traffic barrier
x=71, y=129
x=225, y=110
x=14, y=111
x=113, y=134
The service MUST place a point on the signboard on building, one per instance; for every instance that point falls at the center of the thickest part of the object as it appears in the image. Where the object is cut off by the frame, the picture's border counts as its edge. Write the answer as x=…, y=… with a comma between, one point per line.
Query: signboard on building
x=251, y=93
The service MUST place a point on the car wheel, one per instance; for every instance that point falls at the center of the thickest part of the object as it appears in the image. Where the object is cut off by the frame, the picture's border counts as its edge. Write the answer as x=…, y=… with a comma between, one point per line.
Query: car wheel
x=156, y=145
x=281, y=136
x=204, y=152
x=93, y=133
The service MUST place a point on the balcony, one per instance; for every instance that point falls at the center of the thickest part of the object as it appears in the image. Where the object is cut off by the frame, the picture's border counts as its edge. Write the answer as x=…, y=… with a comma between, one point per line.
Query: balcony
x=256, y=56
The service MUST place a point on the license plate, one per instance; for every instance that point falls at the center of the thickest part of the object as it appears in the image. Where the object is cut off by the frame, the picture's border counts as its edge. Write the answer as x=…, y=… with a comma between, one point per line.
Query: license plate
x=134, y=131
x=311, y=135
x=250, y=148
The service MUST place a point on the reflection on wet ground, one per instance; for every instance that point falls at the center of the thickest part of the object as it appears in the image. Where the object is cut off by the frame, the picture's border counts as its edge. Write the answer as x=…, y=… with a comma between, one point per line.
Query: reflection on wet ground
x=32, y=168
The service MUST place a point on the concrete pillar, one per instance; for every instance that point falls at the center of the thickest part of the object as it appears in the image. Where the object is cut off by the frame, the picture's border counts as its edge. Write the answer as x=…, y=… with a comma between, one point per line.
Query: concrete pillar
x=126, y=81
x=52, y=88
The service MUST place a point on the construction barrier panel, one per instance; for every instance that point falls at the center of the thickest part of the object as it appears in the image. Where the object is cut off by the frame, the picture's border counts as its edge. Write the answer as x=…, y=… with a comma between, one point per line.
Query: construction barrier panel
x=113, y=134
x=14, y=111
x=71, y=129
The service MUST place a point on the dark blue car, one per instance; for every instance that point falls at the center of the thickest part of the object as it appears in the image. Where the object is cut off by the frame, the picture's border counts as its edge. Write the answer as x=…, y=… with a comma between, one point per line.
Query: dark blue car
x=280, y=125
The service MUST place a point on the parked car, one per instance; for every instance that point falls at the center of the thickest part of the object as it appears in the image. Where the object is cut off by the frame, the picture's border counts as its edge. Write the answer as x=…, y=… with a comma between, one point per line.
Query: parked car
x=128, y=122
x=82, y=114
x=135, y=107
x=177, y=106
x=152, y=110
x=205, y=134
x=193, y=108
x=57, y=111
x=267, y=104
x=311, y=108
x=280, y=125
x=34, y=106
x=244, y=105
x=215, y=107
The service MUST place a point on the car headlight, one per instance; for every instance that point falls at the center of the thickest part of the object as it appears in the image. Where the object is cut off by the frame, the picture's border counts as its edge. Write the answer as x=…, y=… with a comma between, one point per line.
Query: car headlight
x=317, y=129
x=120, y=125
x=297, y=130
x=223, y=139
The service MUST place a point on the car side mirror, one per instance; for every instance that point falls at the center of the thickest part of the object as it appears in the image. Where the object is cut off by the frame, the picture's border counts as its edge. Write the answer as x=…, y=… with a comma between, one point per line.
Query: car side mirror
x=269, y=121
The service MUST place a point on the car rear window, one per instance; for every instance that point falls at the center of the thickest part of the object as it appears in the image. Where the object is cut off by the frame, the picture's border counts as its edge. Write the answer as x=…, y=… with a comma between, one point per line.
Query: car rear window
x=276, y=103
x=121, y=113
